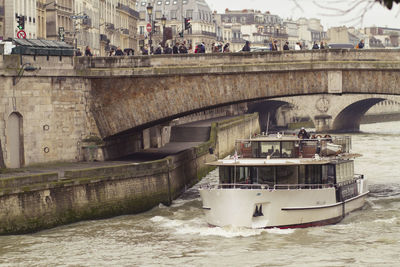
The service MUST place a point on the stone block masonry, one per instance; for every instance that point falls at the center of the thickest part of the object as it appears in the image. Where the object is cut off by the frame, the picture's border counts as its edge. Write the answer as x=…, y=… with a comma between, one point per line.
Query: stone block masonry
x=29, y=204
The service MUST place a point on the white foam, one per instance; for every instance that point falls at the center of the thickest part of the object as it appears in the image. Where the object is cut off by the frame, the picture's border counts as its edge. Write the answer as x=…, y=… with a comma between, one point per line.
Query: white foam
x=157, y=219
x=200, y=227
x=278, y=231
x=391, y=220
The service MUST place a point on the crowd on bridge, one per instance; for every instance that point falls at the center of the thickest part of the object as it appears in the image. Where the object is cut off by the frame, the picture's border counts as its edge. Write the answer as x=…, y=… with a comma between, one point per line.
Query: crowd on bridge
x=183, y=48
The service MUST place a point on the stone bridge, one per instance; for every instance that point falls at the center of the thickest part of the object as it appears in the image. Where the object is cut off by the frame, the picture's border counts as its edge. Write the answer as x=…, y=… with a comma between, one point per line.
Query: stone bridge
x=49, y=109
x=139, y=91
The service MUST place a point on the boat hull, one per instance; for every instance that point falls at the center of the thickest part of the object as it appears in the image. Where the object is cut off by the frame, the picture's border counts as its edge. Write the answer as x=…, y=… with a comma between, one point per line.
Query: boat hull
x=266, y=208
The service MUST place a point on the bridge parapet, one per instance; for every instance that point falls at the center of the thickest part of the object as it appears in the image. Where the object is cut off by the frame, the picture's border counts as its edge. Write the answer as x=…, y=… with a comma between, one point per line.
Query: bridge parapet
x=238, y=58
x=216, y=63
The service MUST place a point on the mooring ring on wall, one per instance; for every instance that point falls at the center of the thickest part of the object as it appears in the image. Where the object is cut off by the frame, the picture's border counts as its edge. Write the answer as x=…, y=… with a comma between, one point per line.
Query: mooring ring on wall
x=46, y=149
x=46, y=127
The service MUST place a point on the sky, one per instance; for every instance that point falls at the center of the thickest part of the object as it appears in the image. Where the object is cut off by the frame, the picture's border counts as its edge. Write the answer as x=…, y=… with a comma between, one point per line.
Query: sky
x=375, y=15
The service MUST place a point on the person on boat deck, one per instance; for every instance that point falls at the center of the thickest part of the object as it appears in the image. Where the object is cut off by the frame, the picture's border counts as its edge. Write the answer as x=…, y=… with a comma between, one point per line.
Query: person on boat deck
x=303, y=134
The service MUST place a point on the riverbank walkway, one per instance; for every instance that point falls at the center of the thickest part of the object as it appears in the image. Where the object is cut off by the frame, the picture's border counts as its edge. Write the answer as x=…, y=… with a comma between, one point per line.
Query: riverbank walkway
x=183, y=137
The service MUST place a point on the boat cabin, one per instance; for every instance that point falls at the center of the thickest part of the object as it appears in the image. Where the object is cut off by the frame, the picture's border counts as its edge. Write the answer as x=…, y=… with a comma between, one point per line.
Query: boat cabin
x=292, y=147
x=279, y=172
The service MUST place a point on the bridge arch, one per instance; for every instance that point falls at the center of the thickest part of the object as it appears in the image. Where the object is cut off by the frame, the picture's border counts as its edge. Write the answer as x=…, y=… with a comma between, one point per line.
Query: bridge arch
x=349, y=119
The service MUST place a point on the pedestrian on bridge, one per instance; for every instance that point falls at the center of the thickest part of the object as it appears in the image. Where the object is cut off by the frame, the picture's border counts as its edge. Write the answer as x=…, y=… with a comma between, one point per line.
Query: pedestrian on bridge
x=119, y=52
x=246, y=47
x=167, y=50
x=360, y=45
x=226, y=48
x=286, y=46
x=88, y=53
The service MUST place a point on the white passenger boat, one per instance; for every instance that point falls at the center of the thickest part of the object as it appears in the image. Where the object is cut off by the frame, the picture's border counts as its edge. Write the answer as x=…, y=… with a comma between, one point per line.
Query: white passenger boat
x=285, y=182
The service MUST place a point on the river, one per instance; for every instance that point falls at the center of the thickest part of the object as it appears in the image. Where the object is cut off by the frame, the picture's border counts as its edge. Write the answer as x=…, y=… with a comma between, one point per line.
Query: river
x=179, y=236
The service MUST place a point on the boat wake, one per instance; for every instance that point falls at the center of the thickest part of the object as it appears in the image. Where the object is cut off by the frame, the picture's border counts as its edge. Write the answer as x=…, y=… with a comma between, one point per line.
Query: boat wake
x=200, y=227
x=384, y=190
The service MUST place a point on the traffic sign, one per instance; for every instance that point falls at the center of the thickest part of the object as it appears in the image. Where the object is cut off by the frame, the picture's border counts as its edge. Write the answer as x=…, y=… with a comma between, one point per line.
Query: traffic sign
x=21, y=34
x=148, y=27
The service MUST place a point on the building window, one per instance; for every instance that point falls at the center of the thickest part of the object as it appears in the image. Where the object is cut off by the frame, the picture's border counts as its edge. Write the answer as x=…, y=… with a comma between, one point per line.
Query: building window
x=158, y=15
x=189, y=13
x=173, y=14
x=141, y=30
x=243, y=19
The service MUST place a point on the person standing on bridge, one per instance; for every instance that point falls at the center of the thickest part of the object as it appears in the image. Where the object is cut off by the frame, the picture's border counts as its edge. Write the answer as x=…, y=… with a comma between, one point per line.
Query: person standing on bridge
x=226, y=48
x=246, y=47
x=175, y=49
x=360, y=45
x=88, y=53
x=286, y=46
x=167, y=50
x=274, y=45
x=119, y=52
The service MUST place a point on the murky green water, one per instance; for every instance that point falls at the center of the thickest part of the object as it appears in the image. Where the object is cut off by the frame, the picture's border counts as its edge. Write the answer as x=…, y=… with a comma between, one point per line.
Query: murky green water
x=179, y=236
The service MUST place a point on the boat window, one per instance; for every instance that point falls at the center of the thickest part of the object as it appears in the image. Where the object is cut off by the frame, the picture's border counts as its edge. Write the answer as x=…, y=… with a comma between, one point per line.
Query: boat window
x=286, y=175
x=302, y=174
x=313, y=174
x=328, y=174
x=239, y=175
x=344, y=171
x=224, y=175
x=288, y=150
x=270, y=149
x=255, y=149
x=266, y=175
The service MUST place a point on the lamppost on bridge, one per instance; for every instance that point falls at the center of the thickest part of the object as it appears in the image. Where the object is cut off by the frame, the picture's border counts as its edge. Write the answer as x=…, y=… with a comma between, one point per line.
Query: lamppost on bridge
x=150, y=12
x=163, y=22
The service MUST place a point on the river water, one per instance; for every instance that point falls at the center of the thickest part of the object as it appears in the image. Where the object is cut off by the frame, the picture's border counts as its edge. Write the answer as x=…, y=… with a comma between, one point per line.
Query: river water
x=179, y=236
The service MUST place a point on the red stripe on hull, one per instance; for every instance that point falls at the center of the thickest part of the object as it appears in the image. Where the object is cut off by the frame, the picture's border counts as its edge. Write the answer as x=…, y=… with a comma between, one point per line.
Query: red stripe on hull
x=310, y=224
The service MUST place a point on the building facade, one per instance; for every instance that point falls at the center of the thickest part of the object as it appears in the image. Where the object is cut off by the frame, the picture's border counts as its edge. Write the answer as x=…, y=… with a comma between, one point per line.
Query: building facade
x=2, y=20
x=117, y=25
x=58, y=16
x=41, y=19
x=203, y=23
x=259, y=28
x=14, y=8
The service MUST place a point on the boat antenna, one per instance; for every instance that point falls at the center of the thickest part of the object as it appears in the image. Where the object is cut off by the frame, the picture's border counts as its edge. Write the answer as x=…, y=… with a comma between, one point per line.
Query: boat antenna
x=266, y=132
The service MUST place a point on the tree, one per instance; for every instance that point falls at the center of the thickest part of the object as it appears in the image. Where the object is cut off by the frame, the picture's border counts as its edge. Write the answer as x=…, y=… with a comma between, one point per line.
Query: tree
x=388, y=3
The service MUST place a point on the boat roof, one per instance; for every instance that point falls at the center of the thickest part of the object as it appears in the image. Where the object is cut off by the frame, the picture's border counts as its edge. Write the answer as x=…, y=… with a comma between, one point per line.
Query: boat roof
x=243, y=162
x=269, y=162
x=271, y=138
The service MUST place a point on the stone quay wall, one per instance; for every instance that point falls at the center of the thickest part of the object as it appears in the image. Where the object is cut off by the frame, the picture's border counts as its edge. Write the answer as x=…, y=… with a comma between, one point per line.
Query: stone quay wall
x=33, y=203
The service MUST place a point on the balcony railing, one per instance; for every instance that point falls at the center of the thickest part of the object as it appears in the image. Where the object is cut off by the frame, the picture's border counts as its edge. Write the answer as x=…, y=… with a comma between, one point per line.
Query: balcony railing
x=125, y=31
x=128, y=10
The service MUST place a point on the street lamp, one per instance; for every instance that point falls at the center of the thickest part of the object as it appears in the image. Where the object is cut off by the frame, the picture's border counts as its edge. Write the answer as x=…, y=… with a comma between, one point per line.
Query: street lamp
x=150, y=12
x=163, y=22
